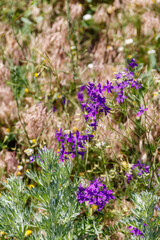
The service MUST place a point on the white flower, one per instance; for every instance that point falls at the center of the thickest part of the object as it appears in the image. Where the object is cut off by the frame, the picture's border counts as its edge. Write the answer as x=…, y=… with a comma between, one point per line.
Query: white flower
x=19, y=167
x=87, y=17
x=90, y=65
x=120, y=49
x=151, y=51
x=29, y=151
x=128, y=41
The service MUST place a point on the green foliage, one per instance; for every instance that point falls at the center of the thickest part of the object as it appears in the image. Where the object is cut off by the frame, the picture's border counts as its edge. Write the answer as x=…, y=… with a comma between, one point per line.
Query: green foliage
x=145, y=203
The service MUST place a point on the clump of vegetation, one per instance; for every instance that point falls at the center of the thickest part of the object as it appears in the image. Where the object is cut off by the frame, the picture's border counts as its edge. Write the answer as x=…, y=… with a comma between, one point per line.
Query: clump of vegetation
x=79, y=119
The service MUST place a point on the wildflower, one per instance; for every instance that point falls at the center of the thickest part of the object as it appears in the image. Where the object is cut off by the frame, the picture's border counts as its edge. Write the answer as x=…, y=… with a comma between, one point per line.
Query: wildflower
x=125, y=164
x=109, y=87
x=74, y=142
x=95, y=194
x=31, y=158
x=8, y=130
x=26, y=90
x=151, y=51
x=110, y=9
x=2, y=233
x=18, y=173
x=81, y=174
x=19, y=167
x=34, y=141
x=31, y=186
x=36, y=75
x=87, y=17
x=128, y=81
x=109, y=48
x=27, y=170
x=0, y=194
x=141, y=111
x=155, y=94
x=136, y=231
x=28, y=233
x=120, y=49
x=128, y=41
x=29, y=151
x=74, y=129
x=133, y=63
x=95, y=104
x=90, y=65
x=94, y=207
x=140, y=169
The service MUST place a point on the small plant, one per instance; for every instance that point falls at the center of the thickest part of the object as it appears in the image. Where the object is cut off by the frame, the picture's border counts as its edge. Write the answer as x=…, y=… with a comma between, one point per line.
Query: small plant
x=142, y=222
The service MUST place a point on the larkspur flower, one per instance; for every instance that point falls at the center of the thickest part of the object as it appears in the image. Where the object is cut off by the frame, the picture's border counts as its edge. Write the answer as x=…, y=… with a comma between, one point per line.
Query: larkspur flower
x=96, y=102
x=133, y=63
x=95, y=194
x=141, y=111
x=137, y=169
x=136, y=232
x=127, y=81
x=72, y=143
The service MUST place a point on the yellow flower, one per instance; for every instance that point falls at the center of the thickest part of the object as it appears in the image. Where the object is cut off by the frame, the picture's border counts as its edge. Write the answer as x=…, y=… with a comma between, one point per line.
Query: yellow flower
x=129, y=56
x=81, y=174
x=110, y=9
x=59, y=96
x=125, y=164
x=94, y=207
x=31, y=186
x=6, y=181
x=155, y=94
x=75, y=129
x=8, y=130
x=34, y=141
x=0, y=194
x=28, y=232
x=26, y=90
x=18, y=173
x=36, y=74
x=27, y=170
x=2, y=233
x=94, y=133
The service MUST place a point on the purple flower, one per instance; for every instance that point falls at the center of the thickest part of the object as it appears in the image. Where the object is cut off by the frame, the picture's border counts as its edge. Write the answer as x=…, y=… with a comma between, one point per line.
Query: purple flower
x=133, y=63
x=140, y=168
x=127, y=81
x=109, y=87
x=136, y=231
x=141, y=111
x=96, y=102
x=72, y=143
x=80, y=96
x=53, y=109
x=96, y=193
x=31, y=158
x=129, y=177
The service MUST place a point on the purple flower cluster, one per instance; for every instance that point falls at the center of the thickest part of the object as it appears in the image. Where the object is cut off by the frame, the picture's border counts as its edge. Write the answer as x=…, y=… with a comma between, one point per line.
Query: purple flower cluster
x=136, y=231
x=96, y=102
x=140, y=167
x=96, y=193
x=128, y=80
x=73, y=142
x=133, y=63
x=141, y=111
